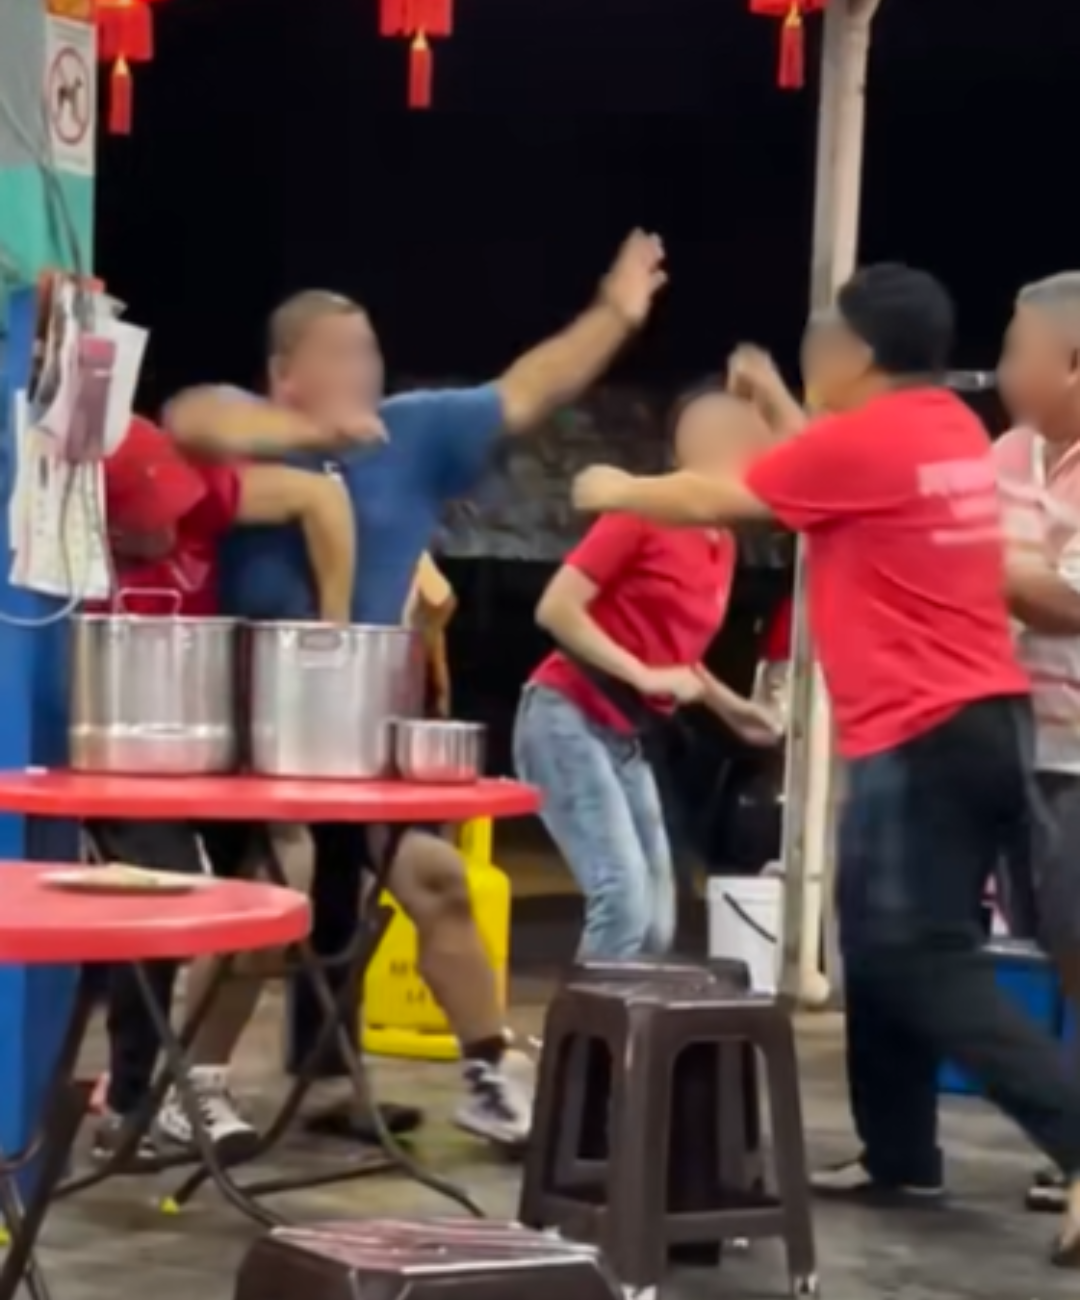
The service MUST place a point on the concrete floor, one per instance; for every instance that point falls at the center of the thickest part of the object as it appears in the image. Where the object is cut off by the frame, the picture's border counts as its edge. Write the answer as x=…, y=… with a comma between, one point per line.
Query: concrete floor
x=113, y=1240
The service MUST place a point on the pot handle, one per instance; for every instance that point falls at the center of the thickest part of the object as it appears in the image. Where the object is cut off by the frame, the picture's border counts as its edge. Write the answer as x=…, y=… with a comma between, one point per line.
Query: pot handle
x=321, y=647
x=171, y=598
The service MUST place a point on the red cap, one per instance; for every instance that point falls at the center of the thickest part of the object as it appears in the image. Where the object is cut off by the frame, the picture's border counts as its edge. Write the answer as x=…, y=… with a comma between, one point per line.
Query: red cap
x=149, y=486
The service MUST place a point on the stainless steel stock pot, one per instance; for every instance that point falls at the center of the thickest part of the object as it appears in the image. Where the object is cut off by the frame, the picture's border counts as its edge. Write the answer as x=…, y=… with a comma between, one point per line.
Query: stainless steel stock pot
x=153, y=696
x=323, y=698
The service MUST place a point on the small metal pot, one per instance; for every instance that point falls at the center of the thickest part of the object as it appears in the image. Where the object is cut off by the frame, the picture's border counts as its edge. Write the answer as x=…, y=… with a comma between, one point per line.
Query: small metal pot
x=439, y=753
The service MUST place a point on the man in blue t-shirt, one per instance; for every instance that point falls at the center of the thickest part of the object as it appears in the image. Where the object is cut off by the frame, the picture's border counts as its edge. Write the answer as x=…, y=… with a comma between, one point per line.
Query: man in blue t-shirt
x=402, y=460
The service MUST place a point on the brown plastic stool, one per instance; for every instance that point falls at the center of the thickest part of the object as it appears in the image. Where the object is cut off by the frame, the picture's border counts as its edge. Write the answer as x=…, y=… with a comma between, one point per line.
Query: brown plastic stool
x=423, y=1259
x=708, y=1137
x=636, y=1210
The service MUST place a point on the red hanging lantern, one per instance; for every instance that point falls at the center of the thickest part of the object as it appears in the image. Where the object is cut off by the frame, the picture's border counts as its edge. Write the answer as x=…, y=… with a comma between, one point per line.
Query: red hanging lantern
x=125, y=36
x=419, y=22
x=792, y=67
x=435, y=17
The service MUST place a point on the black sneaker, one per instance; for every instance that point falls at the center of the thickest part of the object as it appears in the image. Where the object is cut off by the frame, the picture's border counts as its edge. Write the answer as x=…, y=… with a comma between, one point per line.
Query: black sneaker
x=851, y=1180
x=109, y=1137
x=1047, y=1193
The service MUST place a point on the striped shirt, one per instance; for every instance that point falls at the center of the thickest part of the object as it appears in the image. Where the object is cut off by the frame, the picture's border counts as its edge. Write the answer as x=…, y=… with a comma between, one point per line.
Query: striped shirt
x=1042, y=516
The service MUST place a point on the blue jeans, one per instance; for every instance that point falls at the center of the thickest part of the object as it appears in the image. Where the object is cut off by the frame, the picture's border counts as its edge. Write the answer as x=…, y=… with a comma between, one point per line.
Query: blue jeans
x=923, y=831
x=602, y=808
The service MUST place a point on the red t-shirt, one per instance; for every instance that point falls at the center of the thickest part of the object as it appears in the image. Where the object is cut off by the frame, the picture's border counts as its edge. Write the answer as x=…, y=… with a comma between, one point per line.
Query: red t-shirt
x=153, y=493
x=662, y=596
x=905, y=557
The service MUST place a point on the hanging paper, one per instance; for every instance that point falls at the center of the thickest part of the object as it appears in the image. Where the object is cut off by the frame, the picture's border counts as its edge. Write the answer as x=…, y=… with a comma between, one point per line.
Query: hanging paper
x=60, y=546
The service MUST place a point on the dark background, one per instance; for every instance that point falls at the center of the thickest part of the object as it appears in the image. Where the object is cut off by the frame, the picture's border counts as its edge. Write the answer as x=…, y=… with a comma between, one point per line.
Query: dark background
x=272, y=153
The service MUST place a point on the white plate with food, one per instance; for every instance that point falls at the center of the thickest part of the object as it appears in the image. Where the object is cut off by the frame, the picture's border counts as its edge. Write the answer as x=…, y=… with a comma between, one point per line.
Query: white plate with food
x=120, y=878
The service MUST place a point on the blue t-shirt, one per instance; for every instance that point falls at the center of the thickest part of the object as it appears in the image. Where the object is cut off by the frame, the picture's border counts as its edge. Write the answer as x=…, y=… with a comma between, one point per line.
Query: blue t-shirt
x=439, y=447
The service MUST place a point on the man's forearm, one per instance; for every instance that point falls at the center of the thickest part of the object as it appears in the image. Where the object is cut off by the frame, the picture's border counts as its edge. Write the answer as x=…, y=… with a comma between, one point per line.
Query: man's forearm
x=784, y=415
x=226, y=426
x=1043, y=603
x=563, y=367
x=718, y=697
x=683, y=498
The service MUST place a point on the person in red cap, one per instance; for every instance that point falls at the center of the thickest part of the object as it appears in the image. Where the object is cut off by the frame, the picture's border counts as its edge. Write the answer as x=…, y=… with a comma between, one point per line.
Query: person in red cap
x=171, y=497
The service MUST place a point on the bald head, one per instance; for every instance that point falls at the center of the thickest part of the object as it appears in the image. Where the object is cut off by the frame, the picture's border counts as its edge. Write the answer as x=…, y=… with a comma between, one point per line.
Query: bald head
x=1057, y=300
x=324, y=353
x=1039, y=372
x=294, y=318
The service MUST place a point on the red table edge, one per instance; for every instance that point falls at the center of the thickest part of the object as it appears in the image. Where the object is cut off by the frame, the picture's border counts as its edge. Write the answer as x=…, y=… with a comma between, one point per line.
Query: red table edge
x=22, y=794
x=137, y=938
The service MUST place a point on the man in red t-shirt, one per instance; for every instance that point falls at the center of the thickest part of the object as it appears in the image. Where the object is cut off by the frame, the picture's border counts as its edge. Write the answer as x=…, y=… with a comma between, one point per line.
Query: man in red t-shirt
x=895, y=492
x=168, y=506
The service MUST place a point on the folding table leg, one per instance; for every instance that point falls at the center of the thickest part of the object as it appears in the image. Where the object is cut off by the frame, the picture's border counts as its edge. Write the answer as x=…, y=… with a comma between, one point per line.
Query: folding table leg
x=65, y=1106
x=371, y=928
x=139, y=1124
x=176, y=1058
x=334, y=1010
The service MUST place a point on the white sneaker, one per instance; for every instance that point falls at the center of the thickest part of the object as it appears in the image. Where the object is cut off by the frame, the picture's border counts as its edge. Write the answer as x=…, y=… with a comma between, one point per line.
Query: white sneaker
x=500, y=1100
x=233, y=1137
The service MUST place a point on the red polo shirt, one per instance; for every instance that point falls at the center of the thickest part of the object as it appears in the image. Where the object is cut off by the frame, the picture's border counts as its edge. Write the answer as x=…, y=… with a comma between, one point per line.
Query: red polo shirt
x=900, y=508
x=662, y=596
x=181, y=508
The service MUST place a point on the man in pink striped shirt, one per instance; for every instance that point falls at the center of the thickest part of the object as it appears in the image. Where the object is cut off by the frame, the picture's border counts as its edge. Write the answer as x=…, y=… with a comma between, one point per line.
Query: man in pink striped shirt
x=1039, y=470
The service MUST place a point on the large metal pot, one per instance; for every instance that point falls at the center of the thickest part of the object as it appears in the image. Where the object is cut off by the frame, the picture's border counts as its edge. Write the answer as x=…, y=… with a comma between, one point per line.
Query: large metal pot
x=323, y=698
x=153, y=696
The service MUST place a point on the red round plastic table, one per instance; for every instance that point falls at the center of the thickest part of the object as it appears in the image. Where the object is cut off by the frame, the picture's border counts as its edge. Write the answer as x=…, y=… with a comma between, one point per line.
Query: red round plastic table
x=393, y=806
x=41, y=923
x=42, y=793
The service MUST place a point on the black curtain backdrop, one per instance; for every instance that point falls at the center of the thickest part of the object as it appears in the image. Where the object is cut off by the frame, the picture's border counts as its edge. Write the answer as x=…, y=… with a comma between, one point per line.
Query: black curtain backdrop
x=272, y=153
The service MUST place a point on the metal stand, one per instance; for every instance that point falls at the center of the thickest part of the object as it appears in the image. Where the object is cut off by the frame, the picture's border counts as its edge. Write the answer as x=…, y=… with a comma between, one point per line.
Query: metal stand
x=66, y=1101
x=812, y=771
x=335, y=1010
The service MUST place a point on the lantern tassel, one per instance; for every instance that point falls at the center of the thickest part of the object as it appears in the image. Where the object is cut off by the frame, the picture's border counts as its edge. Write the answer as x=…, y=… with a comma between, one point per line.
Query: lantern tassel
x=421, y=71
x=120, y=99
x=435, y=17
x=792, y=75
x=393, y=16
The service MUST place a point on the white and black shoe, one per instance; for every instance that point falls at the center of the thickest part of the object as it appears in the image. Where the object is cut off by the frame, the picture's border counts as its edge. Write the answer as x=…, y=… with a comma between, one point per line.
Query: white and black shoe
x=111, y=1136
x=1048, y=1193
x=850, y=1180
x=499, y=1103
x=233, y=1137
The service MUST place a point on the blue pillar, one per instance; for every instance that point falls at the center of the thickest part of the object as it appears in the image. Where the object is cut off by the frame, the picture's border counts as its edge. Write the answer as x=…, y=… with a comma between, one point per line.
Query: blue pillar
x=34, y=1001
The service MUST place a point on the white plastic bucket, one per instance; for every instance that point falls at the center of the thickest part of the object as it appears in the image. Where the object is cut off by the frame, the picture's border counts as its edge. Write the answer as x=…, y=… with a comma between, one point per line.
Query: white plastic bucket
x=745, y=918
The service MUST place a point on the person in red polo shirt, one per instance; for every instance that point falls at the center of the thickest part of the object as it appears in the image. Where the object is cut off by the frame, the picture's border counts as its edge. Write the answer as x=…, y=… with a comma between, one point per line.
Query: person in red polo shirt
x=896, y=494
x=633, y=609
x=170, y=500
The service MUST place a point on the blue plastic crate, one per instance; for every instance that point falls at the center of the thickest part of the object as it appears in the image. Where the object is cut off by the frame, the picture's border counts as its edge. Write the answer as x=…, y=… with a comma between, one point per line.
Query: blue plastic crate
x=1028, y=977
